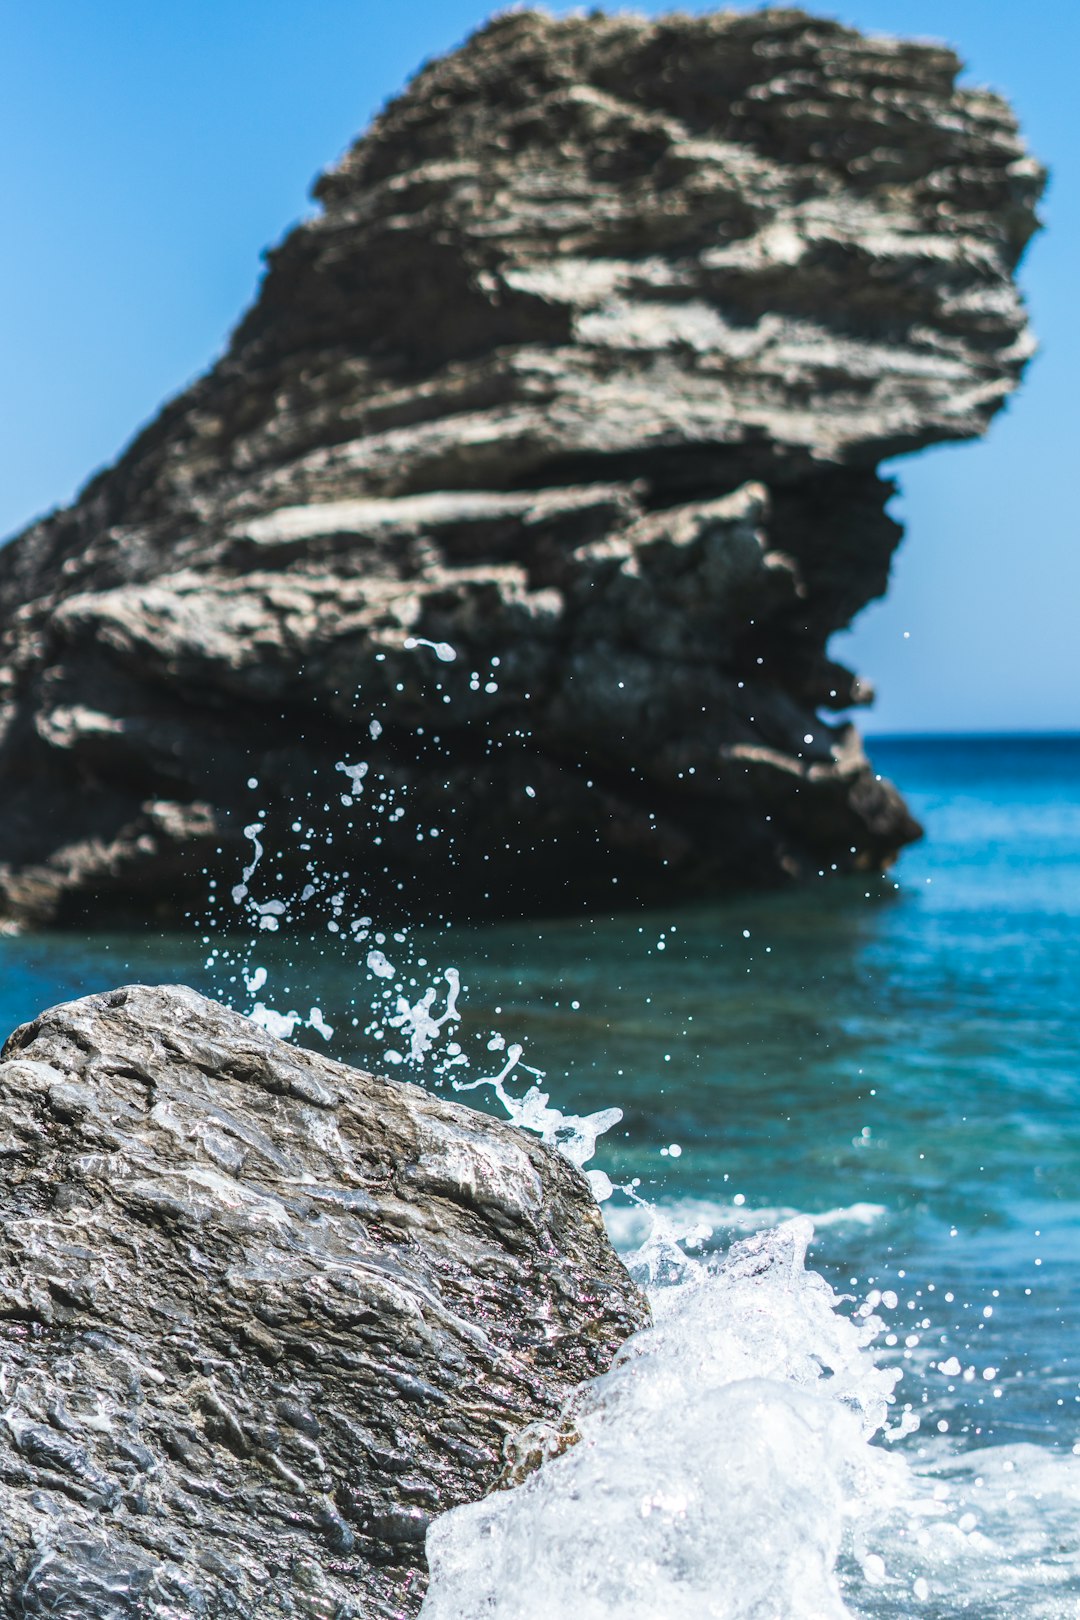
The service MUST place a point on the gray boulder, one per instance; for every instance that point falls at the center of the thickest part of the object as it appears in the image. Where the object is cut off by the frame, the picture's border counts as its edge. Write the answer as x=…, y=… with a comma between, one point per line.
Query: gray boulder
x=263, y=1315
x=583, y=369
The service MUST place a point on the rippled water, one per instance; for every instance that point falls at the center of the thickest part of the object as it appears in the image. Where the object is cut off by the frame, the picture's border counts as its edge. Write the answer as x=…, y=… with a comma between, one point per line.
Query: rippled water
x=900, y=1062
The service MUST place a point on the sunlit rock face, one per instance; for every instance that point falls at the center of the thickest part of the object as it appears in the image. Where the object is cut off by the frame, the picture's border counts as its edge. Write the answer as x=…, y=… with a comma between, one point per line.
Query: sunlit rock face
x=584, y=367
x=263, y=1316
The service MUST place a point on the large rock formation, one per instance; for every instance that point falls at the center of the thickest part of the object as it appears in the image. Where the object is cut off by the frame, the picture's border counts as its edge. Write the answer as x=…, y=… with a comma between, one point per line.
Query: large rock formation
x=584, y=368
x=262, y=1316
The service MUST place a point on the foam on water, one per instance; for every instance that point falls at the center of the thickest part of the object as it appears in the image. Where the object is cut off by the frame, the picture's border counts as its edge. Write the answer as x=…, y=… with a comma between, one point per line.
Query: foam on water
x=729, y=1467
x=716, y=1467
x=1001, y=1545
x=629, y=1225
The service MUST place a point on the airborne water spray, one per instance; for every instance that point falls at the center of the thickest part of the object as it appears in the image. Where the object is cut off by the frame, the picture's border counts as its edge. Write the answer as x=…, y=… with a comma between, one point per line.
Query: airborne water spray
x=405, y=1026
x=729, y=1466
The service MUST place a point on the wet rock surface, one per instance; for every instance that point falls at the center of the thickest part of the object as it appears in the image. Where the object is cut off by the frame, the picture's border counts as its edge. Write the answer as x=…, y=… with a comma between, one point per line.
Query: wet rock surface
x=263, y=1315
x=585, y=368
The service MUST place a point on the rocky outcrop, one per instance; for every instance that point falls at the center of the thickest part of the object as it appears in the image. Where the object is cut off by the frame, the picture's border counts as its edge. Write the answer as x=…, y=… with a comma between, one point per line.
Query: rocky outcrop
x=584, y=369
x=263, y=1315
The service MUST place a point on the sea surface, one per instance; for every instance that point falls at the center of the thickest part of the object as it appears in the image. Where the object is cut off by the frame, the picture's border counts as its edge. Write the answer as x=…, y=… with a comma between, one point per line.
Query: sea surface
x=897, y=1058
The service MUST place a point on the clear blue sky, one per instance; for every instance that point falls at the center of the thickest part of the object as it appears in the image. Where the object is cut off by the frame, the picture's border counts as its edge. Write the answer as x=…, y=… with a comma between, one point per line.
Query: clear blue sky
x=150, y=151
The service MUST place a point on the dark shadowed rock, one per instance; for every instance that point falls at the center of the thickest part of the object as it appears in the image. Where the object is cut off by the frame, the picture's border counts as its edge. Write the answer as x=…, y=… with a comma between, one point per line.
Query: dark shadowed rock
x=263, y=1315
x=584, y=368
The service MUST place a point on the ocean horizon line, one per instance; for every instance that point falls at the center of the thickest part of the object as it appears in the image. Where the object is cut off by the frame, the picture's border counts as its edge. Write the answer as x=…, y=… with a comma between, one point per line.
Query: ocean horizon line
x=1033, y=735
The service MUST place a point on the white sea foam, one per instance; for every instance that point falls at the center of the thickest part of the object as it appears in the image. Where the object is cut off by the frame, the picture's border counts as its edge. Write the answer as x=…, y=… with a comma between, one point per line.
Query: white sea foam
x=716, y=1467
x=629, y=1225
x=725, y=1469
x=1000, y=1539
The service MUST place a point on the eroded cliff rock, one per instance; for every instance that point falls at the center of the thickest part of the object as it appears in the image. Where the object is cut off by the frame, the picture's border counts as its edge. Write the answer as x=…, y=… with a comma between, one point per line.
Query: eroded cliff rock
x=263, y=1315
x=583, y=368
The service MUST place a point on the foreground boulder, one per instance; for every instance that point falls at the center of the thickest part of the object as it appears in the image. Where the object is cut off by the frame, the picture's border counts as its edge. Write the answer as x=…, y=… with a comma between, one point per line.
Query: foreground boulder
x=582, y=375
x=263, y=1315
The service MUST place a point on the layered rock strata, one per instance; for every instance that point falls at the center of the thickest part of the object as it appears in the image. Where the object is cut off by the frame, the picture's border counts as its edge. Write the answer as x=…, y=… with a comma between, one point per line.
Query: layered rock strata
x=262, y=1316
x=584, y=368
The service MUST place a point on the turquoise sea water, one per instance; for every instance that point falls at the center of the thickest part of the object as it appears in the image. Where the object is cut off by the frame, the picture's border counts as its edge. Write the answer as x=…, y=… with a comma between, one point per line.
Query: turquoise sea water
x=898, y=1058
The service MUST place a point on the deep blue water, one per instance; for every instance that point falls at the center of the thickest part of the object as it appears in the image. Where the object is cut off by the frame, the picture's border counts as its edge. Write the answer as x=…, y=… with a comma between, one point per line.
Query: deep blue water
x=903, y=1049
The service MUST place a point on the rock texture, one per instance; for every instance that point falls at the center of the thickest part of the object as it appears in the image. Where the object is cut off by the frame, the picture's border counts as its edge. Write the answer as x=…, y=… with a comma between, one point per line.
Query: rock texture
x=584, y=367
x=262, y=1316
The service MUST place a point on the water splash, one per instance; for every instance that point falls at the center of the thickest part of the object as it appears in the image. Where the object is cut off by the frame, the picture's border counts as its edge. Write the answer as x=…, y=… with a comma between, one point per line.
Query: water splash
x=573, y=1135
x=418, y=1020
x=379, y=964
x=710, y=1475
x=356, y=774
x=728, y=1467
x=442, y=649
x=283, y=1025
x=422, y=1033
x=251, y=832
x=712, y=1221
